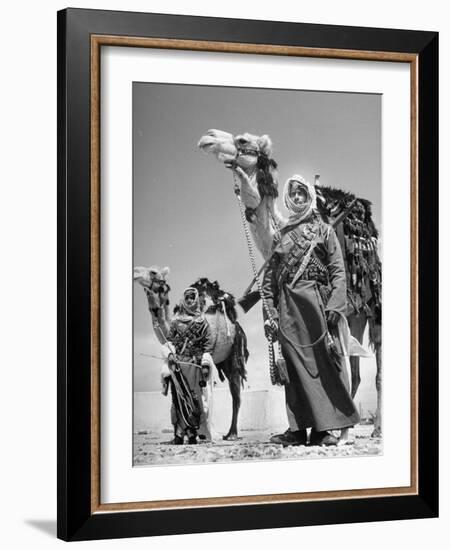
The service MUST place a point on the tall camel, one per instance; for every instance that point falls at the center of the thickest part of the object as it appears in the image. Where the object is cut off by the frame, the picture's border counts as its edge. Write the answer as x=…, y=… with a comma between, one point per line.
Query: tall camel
x=230, y=353
x=250, y=156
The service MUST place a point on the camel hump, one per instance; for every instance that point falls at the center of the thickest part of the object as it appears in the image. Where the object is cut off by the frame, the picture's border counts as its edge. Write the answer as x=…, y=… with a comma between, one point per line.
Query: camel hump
x=223, y=342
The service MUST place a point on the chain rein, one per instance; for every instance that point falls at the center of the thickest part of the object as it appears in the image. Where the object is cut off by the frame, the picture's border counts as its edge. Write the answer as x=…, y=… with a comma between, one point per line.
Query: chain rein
x=272, y=369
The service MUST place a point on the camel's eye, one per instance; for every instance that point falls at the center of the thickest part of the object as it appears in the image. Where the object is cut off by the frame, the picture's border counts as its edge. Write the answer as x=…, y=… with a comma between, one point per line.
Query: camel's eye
x=242, y=141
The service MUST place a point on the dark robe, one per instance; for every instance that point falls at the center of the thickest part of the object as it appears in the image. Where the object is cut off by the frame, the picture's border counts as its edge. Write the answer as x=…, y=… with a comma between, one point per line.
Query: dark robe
x=191, y=337
x=317, y=394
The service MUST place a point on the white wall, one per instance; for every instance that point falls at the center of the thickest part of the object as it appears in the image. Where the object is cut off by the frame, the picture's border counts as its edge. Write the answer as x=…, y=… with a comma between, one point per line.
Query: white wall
x=260, y=410
x=28, y=275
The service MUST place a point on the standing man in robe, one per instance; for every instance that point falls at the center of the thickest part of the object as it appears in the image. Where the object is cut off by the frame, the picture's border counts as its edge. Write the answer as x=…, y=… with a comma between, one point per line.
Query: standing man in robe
x=189, y=349
x=305, y=288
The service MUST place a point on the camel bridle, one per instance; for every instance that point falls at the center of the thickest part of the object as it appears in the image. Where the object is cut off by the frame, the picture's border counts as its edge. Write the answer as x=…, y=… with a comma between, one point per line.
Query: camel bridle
x=163, y=290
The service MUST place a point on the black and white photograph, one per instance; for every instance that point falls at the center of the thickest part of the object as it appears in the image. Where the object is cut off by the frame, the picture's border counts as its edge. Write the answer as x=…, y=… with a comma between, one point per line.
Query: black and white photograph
x=257, y=274
x=224, y=261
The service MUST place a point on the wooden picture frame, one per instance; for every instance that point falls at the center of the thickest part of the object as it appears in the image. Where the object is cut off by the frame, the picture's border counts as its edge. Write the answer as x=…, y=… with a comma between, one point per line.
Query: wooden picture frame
x=81, y=35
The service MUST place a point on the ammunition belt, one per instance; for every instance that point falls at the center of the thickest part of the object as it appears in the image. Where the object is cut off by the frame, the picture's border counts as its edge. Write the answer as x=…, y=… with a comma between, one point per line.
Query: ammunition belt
x=314, y=271
x=290, y=265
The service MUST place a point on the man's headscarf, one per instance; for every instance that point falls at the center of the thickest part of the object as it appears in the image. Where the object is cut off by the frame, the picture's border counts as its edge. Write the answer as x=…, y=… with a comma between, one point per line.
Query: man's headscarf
x=299, y=212
x=193, y=309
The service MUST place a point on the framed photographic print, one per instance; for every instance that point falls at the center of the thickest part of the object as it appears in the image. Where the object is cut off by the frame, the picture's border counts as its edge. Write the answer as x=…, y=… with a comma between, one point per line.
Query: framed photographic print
x=247, y=254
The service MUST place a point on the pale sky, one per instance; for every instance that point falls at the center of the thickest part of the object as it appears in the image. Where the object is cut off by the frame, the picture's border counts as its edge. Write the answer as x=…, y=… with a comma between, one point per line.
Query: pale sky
x=185, y=212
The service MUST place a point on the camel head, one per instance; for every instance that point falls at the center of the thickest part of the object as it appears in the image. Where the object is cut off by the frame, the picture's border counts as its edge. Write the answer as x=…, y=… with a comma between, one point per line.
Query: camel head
x=242, y=149
x=250, y=152
x=154, y=281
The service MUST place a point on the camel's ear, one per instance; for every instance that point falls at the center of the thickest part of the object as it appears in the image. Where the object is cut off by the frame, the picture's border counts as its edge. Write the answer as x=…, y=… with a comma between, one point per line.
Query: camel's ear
x=165, y=271
x=265, y=145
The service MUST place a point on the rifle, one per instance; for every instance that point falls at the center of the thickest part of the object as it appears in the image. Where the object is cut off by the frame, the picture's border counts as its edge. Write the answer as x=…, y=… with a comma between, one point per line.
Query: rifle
x=248, y=300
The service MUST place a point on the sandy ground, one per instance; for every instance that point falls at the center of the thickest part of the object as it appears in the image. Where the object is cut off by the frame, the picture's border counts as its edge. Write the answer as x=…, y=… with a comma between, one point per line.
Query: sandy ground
x=153, y=448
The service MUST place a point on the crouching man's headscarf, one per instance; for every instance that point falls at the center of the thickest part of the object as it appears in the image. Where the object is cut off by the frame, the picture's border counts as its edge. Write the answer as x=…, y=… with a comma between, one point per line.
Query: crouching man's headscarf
x=299, y=212
x=193, y=309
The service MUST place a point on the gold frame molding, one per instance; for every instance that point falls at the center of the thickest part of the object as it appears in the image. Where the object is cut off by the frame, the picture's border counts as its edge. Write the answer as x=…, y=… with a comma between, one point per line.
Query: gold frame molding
x=97, y=41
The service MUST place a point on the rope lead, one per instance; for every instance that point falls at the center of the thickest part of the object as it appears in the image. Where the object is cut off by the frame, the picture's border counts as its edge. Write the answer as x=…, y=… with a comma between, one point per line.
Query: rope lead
x=274, y=377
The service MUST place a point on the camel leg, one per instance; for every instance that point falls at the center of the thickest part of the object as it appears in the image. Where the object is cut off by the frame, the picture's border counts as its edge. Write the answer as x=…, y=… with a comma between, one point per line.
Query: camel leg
x=234, y=381
x=357, y=324
x=355, y=374
x=344, y=436
x=378, y=381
